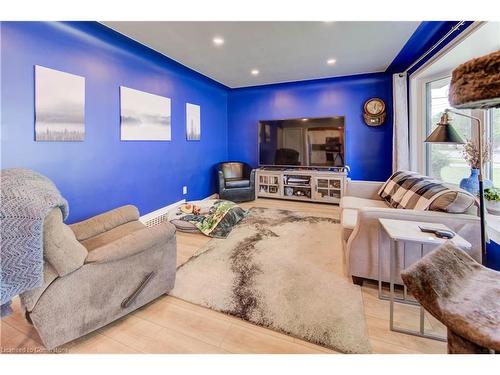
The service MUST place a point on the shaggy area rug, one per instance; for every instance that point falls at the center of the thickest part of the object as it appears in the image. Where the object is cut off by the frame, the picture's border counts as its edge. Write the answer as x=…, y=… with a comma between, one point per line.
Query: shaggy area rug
x=280, y=270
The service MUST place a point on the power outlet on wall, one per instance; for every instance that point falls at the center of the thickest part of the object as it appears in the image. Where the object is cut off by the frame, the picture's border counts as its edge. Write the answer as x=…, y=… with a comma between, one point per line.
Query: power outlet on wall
x=184, y=190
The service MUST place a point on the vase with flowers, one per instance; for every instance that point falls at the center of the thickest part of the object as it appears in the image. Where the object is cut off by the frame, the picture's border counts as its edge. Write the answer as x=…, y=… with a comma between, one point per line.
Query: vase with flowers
x=471, y=156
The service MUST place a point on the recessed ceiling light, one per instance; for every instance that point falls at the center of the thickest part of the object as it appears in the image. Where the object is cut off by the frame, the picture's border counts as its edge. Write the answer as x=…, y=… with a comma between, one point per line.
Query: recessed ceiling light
x=331, y=61
x=254, y=72
x=218, y=41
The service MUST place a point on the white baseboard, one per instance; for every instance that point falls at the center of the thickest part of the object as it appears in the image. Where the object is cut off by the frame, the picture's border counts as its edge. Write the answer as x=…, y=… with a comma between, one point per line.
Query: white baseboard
x=154, y=217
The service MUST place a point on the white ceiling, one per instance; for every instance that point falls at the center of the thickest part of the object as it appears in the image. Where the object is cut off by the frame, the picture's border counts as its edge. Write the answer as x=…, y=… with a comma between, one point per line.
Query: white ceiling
x=281, y=51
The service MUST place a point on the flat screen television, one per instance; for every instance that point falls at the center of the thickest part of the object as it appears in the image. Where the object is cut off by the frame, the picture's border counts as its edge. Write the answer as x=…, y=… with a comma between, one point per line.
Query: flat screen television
x=306, y=142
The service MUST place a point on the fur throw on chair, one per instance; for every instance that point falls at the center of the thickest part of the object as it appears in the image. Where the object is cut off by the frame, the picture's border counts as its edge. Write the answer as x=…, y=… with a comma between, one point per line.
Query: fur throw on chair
x=476, y=83
x=462, y=294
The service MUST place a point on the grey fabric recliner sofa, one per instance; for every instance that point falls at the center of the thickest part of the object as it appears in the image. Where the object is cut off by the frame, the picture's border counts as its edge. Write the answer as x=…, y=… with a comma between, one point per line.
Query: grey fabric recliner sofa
x=97, y=271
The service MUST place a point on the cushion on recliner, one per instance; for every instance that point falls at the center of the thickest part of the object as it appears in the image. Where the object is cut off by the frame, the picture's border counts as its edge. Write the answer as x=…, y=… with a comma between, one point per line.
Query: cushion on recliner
x=104, y=222
x=60, y=246
x=237, y=183
x=112, y=235
x=232, y=170
x=132, y=243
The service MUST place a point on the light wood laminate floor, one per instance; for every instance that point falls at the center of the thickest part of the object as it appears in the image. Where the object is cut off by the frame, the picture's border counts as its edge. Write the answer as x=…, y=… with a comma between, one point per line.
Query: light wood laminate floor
x=170, y=325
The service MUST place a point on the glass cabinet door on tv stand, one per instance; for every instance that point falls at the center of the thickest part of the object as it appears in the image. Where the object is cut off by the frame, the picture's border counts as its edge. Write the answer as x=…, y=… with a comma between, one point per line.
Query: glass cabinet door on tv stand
x=269, y=184
x=328, y=188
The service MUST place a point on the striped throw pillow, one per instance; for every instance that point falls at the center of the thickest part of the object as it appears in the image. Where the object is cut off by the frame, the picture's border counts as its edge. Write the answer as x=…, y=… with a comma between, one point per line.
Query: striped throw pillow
x=410, y=190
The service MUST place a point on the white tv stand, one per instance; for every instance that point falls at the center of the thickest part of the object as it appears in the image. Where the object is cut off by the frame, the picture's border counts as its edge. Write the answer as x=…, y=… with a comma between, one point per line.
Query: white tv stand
x=310, y=185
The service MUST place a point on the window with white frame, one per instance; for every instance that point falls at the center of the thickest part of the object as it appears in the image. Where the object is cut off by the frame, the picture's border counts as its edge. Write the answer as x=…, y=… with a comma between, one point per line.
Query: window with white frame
x=445, y=162
x=429, y=86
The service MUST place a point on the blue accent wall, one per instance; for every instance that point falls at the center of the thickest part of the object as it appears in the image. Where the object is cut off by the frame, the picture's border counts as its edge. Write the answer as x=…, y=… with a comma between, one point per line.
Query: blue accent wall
x=102, y=172
x=493, y=255
x=425, y=36
x=368, y=149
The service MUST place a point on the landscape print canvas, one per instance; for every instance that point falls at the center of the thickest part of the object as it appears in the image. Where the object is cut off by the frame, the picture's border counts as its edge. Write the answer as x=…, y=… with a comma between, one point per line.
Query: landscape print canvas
x=59, y=105
x=144, y=116
x=193, y=122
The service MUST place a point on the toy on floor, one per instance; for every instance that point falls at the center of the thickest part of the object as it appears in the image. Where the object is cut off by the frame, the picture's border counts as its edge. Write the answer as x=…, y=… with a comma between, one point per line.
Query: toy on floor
x=189, y=208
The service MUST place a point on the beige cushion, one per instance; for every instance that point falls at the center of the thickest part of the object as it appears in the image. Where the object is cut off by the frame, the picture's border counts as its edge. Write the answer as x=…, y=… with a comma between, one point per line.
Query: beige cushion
x=453, y=202
x=60, y=247
x=133, y=243
x=355, y=202
x=104, y=222
x=348, y=219
x=112, y=235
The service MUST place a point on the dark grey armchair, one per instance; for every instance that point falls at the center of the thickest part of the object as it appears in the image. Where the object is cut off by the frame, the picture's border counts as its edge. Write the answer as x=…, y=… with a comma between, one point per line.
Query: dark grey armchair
x=236, y=181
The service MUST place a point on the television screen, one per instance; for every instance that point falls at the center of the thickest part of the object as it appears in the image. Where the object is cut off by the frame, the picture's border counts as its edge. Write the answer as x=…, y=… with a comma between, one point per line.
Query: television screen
x=314, y=142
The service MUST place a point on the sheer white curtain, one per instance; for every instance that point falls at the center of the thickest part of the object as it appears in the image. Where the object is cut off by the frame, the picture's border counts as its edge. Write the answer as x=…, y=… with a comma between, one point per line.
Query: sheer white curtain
x=400, y=137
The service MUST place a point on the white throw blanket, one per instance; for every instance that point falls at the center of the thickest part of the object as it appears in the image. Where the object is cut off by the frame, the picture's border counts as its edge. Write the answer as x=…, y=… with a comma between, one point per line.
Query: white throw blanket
x=26, y=199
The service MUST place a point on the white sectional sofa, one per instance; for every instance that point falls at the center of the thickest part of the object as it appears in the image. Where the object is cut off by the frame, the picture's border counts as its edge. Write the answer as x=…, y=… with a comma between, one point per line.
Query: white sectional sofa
x=361, y=207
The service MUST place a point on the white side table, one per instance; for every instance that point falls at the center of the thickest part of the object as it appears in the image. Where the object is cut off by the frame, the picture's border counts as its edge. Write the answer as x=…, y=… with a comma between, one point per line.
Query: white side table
x=408, y=232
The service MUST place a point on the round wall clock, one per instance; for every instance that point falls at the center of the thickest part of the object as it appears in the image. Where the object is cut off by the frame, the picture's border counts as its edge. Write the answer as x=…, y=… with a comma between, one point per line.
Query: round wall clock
x=374, y=109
